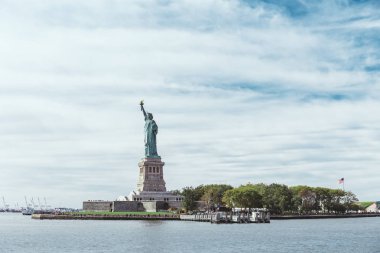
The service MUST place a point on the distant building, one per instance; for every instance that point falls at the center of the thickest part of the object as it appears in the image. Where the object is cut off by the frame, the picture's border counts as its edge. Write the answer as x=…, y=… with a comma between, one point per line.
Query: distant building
x=370, y=206
x=373, y=208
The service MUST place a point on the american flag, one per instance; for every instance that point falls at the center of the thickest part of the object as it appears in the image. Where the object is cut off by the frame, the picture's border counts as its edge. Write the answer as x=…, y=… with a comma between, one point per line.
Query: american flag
x=341, y=181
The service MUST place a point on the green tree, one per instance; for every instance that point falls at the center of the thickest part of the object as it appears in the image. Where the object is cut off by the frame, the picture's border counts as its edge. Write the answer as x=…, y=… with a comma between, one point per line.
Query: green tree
x=350, y=200
x=249, y=197
x=245, y=196
x=305, y=199
x=189, y=198
x=336, y=204
x=323, y=198
x=229, y=197
x=213, y=194
x=277, y=198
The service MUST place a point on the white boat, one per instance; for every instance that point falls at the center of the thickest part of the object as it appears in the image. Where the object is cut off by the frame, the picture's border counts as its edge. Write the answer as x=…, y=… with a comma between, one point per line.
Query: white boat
x=27, y=211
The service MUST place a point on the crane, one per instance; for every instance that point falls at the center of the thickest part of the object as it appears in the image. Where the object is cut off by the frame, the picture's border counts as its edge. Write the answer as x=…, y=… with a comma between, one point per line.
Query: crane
x=46, y=206
x=39, y=203
x=26, y=203
x=33, y=204
x=6, y=207
x=28, y=209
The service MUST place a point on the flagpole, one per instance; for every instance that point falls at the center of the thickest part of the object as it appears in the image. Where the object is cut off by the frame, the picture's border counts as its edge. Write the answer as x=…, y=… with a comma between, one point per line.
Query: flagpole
x=341, y=181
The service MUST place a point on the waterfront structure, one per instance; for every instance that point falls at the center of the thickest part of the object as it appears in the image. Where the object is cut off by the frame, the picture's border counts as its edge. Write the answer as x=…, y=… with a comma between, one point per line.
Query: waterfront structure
x=150, y=193
x=256, y=215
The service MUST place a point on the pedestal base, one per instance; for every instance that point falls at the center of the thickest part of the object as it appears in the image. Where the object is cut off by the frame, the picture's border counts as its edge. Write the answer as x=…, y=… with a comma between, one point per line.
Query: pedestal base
x=151, y=176
x=152, y=198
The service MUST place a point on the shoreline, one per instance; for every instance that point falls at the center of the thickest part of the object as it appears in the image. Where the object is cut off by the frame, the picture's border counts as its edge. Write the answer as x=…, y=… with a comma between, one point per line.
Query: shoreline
x=104, y=217
x=323, y=216
x=177, y=217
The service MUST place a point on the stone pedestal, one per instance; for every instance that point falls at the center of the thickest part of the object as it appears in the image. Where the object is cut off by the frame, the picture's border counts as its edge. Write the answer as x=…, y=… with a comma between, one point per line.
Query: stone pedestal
x=151, y=176
x=151, y=184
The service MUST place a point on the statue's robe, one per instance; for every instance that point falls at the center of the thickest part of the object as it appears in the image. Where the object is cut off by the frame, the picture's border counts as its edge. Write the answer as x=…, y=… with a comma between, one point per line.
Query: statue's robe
x=151, y=131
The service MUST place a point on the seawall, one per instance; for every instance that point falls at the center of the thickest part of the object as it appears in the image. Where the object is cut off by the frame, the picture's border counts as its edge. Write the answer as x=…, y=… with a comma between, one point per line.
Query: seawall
x=323, y=216
x=104, y=217
x=177, y=217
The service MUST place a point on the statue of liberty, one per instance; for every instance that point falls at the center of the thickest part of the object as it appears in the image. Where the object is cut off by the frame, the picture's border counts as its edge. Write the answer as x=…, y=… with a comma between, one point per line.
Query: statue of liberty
x=151, y=130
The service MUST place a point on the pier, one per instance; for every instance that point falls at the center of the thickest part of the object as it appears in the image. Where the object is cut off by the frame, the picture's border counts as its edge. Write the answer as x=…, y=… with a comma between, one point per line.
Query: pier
x=258, y=216
x=196, y=217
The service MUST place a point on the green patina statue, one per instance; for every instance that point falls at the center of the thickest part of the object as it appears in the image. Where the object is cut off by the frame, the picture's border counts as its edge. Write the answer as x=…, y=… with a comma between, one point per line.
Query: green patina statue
x=151, y=130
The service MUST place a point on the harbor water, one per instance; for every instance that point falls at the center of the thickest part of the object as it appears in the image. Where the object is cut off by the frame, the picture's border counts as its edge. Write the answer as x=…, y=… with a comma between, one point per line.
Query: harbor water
x=20, y=233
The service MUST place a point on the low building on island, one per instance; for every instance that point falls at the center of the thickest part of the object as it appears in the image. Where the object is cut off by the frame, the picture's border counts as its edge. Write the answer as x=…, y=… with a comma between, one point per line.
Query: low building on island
x=372, y=207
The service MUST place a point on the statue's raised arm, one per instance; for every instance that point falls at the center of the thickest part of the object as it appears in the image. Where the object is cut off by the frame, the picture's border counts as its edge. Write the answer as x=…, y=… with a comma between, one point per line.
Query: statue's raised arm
x=142, y=108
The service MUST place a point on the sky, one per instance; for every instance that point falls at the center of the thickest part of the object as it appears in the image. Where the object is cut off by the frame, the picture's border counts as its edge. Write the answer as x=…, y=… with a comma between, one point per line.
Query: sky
x=242, y=91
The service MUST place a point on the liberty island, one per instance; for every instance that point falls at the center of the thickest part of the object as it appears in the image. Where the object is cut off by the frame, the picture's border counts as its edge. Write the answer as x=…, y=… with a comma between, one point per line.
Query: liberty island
x=220, y=203
x=151, y=195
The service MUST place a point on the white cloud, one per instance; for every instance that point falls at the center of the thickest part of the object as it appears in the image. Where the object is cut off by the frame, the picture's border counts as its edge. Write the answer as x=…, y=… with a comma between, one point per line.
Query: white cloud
x=239, y=93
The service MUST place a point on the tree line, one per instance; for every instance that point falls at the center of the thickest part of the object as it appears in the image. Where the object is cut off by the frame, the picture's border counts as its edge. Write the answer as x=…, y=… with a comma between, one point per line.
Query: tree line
x=277, y=198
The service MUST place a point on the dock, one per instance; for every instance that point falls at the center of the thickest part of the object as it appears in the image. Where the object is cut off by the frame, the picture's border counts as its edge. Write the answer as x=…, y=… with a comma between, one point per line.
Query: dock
x=196, y=217
x=259, y=216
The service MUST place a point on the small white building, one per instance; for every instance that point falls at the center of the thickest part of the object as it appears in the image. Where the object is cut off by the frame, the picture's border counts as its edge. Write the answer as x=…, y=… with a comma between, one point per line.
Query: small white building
x=373, y=208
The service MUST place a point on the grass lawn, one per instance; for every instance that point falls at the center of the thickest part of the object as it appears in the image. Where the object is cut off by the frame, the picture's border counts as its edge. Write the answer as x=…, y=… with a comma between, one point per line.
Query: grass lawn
x=122, y=213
